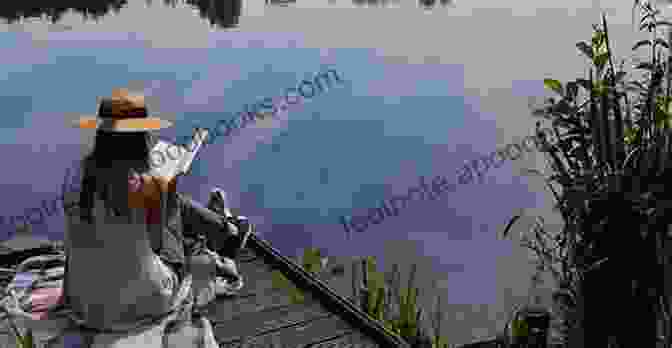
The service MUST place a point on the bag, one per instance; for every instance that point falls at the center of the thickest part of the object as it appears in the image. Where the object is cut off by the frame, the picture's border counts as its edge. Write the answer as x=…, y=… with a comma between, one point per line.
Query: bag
x=35, y=289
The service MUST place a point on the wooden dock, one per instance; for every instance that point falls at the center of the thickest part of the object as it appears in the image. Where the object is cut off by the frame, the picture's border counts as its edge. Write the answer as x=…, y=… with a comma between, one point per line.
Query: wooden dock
x=261, y=316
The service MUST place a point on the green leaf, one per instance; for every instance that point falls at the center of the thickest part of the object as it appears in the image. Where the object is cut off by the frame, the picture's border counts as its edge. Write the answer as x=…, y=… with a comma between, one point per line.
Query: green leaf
x=562, y=107
x=585, y=49
x=523, y=329
x=601, y=59
x=510, y=224
x=664, y=23
x=539, y=112
x=619, y=76
x=312, y=260
x=371, y=264
x=586, y=84
x=597, y=39
x=279, y=281
x=19, y=341
x=28, y=339
x=553, y=85
x=641, y=43
x=638, y=85
x=649, y=26
x=661, y=42
x=645, y=66
x=600, y=87
x=380, y=302
x=572, y=89
x=296, y=296
x=649, y=15
x=439, y=342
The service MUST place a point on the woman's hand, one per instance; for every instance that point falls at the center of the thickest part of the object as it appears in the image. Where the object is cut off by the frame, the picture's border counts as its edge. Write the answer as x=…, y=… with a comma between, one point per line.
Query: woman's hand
x=144, y=191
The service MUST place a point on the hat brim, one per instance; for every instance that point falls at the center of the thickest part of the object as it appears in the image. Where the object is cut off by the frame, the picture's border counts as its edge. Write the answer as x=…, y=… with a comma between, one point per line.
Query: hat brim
x=123, y=125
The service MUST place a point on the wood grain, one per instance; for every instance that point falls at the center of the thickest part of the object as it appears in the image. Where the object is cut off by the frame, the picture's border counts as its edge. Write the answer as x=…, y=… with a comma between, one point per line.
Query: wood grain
x=299, y=335
x=273, y=318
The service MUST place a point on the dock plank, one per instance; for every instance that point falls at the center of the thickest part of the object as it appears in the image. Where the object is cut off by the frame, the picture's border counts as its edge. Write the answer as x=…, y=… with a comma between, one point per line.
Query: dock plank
x=257, y=276
x=227, y=309
x=299, y=335
x=353, y=339
x=257, y=323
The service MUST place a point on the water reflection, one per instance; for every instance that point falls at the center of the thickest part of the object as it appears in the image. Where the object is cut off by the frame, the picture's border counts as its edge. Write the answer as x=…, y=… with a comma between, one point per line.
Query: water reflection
x=14, y=11
x=374, y=2
x=421, y=3
x=221, y=13
x=280, y=2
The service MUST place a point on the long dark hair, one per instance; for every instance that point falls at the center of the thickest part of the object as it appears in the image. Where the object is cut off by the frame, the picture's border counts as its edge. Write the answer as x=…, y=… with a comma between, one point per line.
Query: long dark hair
x=106, y=168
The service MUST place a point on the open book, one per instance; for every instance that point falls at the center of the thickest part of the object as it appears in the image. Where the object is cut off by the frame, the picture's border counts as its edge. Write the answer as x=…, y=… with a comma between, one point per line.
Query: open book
x=169, y=162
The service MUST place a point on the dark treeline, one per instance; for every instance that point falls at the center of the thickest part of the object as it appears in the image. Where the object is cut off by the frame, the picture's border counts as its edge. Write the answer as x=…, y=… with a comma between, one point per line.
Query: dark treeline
x=14, y=11
x=223, y=14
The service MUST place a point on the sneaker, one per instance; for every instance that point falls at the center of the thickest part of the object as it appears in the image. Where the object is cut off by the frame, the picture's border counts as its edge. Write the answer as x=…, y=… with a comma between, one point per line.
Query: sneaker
x=245, y=229
x=227, y=279
x=219, y=204
x=227, y=287
x=217, y=201
x=226, y=267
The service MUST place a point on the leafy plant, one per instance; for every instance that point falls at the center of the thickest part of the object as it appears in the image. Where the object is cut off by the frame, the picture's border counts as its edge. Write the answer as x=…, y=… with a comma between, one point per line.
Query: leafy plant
x=312, y=260
x=519, y=328
x=281, y=282
x=612, y=160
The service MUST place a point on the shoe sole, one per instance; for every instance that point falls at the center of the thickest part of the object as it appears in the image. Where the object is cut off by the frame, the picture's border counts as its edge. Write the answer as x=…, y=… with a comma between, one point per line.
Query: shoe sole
x=216, y=200
x=247, y=233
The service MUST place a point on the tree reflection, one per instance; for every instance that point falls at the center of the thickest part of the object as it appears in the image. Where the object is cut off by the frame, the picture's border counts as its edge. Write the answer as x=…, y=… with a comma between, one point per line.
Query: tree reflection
x=432, y=3
x=422, y=3
x=222, y=13
x=14, y=11
x=280, y=2
x=373, y=2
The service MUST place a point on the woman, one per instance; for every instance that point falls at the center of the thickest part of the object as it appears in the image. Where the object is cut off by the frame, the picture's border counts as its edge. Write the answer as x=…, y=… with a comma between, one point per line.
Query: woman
x=125, y=241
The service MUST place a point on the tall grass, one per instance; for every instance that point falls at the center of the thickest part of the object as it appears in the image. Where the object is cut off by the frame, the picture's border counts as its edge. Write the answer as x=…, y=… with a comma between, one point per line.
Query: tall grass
x=381, y=296
x=22, y=341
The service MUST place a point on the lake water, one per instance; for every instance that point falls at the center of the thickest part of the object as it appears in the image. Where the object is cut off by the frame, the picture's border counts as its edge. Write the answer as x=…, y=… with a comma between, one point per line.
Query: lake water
x=425, y=89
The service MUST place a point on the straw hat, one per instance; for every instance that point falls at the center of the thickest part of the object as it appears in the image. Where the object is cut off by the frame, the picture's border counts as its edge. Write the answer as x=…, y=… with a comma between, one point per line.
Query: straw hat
x=122, y=112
